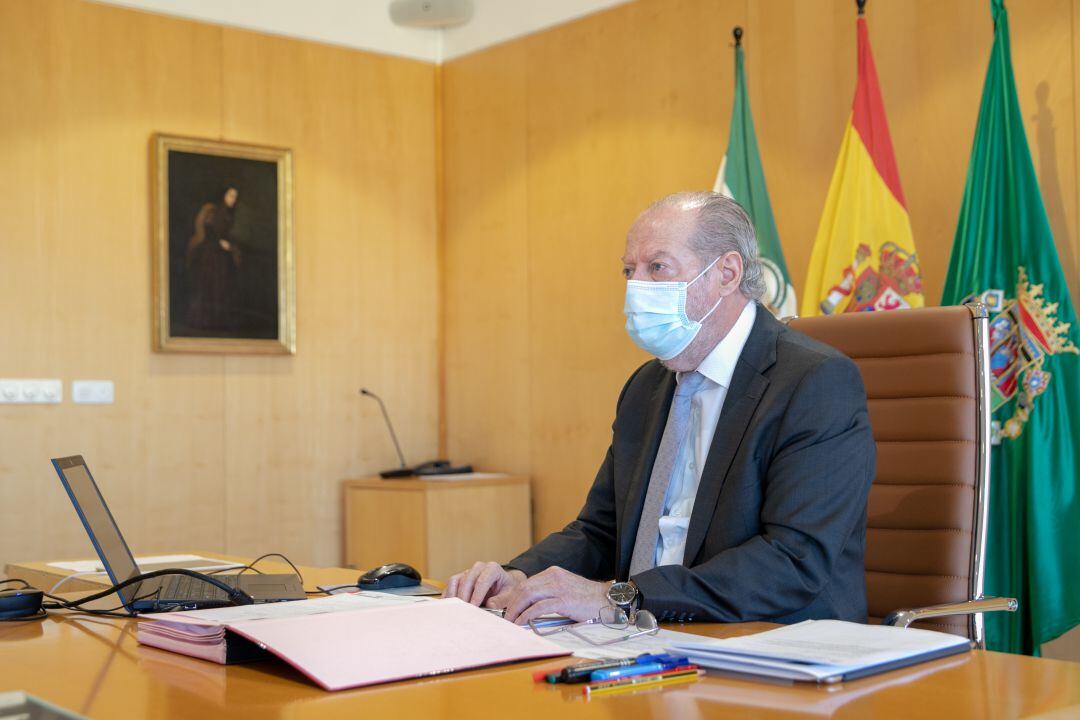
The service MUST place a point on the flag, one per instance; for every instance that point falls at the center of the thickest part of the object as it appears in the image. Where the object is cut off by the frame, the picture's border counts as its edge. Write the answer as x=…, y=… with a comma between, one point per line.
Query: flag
x=742, y=179
x=1004, y=256
x=864, y=253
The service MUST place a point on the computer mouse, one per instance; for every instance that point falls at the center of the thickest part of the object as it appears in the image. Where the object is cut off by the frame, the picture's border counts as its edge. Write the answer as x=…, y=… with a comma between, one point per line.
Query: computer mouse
x=394, y=575
x=24, y=602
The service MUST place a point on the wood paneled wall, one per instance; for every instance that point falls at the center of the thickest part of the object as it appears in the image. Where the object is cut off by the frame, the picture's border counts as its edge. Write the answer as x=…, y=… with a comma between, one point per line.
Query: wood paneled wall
x=554, y=143
x=240, y=454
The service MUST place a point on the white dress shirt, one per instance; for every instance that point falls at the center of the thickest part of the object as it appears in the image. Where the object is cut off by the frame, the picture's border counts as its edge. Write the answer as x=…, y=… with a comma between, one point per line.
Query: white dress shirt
x=718, y=367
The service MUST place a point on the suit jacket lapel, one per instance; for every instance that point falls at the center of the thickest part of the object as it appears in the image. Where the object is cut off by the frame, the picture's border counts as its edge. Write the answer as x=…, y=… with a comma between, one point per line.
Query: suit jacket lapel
x=748, y=384
x=657, y=412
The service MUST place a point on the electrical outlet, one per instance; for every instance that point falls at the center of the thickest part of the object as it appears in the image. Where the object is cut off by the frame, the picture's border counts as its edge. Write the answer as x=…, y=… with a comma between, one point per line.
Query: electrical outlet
x=30, y=392
x=92, y=392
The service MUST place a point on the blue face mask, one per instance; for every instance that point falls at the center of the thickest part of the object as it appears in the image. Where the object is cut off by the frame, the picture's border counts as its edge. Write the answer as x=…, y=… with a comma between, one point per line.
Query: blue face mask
x=656, y=316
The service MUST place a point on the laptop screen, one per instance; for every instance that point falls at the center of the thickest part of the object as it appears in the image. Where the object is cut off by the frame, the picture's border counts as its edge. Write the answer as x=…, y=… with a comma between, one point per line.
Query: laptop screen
x=98, y=521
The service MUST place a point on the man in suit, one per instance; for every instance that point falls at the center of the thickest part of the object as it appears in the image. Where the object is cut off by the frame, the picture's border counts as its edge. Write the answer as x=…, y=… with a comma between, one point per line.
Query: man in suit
x=736, y=483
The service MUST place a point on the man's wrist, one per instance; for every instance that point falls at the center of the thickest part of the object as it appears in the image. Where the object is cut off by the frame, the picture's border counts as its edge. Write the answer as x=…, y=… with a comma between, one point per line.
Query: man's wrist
x=624, y=595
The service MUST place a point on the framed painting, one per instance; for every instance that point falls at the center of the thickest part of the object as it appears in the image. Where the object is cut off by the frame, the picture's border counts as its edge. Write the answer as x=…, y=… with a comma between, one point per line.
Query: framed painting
x=224, y=279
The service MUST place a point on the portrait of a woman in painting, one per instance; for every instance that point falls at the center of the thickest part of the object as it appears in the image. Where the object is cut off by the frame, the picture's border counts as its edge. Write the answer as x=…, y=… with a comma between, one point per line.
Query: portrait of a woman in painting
x=223, y=270
x=213, y=261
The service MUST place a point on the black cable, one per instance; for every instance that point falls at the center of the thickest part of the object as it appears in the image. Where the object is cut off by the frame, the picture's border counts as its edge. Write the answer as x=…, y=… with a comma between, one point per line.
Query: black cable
x=254, y=562
x=238, y=569
x=342, y=587
x=236, y=595
x=24, y=583
x=63, y=604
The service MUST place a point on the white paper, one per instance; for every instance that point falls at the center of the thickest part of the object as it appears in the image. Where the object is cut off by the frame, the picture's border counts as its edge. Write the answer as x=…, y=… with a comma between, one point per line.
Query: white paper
x=835, y=642
x=95, y=566
x=818, y=649
x=658, y=643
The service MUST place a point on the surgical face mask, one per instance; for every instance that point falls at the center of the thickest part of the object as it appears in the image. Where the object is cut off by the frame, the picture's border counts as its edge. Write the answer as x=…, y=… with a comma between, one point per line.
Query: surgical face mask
x=656, y=315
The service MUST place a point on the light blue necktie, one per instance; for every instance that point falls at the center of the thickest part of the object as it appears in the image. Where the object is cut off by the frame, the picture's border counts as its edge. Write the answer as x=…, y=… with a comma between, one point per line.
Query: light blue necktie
x=675, y=434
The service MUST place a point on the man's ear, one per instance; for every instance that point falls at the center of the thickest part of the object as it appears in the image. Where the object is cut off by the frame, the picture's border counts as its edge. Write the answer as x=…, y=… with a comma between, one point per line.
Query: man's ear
x=731, y=272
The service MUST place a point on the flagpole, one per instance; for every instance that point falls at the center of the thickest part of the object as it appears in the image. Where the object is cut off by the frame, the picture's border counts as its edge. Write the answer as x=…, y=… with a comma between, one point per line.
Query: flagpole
x=737, y=32
x=862, y=6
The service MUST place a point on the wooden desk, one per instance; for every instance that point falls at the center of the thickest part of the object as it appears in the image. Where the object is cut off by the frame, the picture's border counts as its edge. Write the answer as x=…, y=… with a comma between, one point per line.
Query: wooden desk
x=94, y=666
x=440, y=527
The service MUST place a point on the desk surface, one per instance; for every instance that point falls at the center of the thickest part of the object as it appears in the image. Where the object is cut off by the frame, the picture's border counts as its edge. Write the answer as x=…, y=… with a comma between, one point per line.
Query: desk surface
x=94, y=666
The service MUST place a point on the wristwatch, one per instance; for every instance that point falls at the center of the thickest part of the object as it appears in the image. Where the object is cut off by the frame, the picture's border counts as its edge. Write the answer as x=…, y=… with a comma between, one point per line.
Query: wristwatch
x=625, y=596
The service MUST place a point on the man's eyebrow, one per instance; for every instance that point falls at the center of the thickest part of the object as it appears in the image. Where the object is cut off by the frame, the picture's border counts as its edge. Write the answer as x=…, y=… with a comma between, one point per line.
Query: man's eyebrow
x=659, y=255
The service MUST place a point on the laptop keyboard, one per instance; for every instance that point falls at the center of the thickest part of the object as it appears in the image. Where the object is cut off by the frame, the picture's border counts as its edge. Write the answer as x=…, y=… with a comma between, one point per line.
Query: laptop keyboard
x=183, y=587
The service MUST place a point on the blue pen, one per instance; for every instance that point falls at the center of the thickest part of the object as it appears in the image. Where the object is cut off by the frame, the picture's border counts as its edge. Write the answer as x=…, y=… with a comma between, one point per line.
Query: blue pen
x=638, y=668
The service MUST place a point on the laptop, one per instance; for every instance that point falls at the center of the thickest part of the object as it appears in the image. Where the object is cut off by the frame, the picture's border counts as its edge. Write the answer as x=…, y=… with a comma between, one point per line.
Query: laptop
x=168, y=592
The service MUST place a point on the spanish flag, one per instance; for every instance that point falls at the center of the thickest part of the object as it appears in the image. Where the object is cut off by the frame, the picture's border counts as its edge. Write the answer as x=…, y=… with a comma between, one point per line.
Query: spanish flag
x=864, y=254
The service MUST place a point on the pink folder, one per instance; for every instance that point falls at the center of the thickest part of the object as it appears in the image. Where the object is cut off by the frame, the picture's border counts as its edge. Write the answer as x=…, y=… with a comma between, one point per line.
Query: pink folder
x=364, y=647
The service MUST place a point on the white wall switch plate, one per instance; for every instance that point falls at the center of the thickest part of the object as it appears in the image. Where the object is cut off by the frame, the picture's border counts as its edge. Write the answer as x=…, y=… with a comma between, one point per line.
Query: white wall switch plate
x=30, y=392
x=92, y=392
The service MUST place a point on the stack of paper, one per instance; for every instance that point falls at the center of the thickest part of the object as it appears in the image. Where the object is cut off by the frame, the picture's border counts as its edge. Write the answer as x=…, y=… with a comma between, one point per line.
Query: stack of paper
x=376, y=639
x=823, y=650
x=203, y=633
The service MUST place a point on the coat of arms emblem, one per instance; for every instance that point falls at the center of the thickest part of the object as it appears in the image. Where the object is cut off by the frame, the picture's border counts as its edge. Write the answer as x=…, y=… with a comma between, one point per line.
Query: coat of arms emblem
x=1023, y=332
x=864, y=288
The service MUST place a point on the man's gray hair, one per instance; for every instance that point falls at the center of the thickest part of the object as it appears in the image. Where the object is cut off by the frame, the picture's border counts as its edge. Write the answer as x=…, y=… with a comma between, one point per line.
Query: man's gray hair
x=722, y=226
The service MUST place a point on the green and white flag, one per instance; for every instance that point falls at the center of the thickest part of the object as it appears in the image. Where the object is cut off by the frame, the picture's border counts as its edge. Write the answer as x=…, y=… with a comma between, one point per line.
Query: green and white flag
x=742, y=179
x=1004, y=256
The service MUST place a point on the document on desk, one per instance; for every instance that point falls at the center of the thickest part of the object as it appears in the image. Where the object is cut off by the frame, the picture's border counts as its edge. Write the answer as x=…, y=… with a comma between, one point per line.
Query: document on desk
x=399, y=640
x=823, y=650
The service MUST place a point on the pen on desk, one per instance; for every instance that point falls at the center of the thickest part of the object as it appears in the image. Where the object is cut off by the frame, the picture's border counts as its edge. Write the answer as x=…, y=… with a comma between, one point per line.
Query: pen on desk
x=645, y=665
x=582, y=672
x=687, y=675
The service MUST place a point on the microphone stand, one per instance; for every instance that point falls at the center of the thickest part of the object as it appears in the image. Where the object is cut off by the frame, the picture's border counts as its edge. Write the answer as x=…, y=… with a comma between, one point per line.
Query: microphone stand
x=404, y=470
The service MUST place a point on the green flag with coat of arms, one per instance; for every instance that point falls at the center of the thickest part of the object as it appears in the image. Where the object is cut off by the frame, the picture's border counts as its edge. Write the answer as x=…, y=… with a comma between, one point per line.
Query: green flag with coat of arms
x=1004, y=256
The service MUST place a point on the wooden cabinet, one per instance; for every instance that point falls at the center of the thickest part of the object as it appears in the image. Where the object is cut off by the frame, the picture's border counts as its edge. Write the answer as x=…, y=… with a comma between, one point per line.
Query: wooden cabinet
x=440, y=527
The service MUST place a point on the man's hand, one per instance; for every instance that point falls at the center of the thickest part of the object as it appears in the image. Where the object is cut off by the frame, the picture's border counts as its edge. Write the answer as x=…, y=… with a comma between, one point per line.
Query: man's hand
x=482, y=581
x=553, y=591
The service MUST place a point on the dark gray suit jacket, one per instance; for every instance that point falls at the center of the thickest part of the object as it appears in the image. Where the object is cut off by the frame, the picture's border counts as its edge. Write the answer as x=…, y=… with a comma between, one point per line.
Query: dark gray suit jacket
x=779, y=521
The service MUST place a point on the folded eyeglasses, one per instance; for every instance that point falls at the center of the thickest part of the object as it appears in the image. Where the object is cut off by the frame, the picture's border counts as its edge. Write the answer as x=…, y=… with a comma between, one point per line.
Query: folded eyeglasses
x=640, y=622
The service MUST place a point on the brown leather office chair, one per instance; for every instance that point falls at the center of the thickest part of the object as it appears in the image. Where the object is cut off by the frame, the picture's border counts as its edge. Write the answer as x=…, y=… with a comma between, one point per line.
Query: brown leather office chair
x=927, y=381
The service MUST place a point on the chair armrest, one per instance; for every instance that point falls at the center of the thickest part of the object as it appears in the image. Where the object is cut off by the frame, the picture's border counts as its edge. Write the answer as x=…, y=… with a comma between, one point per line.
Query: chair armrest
x=903, y=618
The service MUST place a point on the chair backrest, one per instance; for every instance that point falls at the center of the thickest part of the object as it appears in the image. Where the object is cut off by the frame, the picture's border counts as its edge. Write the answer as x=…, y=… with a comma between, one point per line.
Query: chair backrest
x=927, y=386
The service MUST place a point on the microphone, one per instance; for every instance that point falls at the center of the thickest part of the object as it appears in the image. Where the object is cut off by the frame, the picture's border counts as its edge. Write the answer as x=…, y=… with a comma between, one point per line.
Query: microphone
x=393, y=436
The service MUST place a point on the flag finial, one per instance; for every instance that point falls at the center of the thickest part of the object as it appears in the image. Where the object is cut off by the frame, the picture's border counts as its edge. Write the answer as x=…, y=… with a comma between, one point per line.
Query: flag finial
x=737, y=32
x=862, y=6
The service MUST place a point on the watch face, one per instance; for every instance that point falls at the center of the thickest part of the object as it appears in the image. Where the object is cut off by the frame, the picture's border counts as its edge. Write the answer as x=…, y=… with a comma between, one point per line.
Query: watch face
x=622, y=593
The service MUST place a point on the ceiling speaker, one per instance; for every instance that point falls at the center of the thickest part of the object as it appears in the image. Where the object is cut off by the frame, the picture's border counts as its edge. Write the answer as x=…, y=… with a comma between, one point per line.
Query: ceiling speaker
x=430, y=13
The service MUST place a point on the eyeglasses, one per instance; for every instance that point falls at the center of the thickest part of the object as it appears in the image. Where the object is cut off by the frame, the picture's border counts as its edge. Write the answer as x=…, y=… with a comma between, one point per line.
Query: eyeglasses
x=641, y=622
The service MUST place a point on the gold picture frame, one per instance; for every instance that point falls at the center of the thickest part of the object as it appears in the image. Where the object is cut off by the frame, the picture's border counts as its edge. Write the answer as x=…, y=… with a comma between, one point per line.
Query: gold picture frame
x=224, y=279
